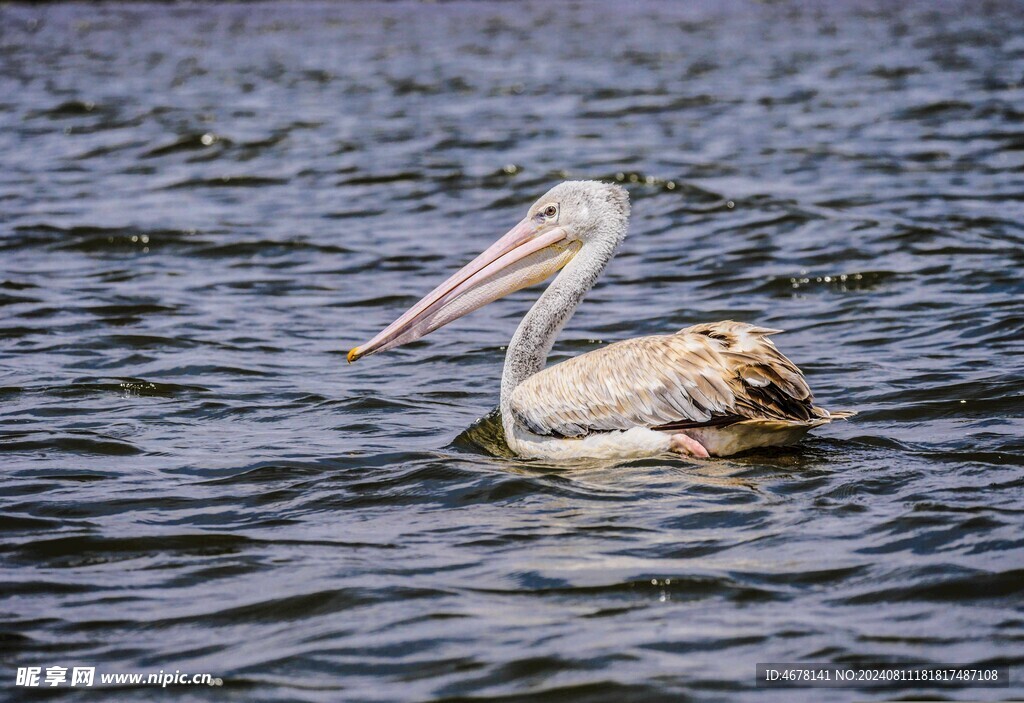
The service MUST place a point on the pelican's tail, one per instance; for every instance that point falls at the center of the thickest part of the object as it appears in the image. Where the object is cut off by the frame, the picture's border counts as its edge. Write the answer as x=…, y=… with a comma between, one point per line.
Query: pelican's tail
x=841, y=414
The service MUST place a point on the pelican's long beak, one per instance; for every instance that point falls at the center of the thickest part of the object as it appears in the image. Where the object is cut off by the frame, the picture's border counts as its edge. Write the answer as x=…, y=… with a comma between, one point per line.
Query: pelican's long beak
x=528, y=254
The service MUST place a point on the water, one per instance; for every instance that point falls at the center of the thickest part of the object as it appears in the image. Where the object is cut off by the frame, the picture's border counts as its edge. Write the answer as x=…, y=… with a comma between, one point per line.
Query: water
x=203, y=208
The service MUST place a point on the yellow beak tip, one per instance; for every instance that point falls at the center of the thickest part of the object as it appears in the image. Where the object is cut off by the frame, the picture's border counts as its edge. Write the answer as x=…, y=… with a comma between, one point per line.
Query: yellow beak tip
x=353, y=355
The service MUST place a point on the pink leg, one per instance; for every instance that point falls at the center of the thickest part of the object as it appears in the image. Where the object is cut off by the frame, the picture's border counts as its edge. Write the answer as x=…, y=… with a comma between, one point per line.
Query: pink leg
x=687, y=445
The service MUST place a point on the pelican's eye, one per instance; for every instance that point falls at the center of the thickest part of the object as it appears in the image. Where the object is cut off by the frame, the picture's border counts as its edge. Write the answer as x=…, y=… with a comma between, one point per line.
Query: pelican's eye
x=546, y=214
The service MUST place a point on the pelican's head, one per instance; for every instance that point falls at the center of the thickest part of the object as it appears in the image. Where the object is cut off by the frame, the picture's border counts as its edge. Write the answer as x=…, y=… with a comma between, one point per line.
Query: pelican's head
x=568, y=217
x=589, y=211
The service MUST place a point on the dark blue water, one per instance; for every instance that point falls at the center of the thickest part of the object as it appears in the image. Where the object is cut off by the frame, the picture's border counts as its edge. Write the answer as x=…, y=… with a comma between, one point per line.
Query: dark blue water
x=202, y=208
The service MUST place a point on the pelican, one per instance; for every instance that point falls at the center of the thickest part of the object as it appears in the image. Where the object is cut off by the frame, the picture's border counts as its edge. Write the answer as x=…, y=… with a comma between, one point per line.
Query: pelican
x=708, y=390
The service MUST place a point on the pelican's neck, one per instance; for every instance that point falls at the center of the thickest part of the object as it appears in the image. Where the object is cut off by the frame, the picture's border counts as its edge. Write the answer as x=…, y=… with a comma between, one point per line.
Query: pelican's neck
x=528, y=351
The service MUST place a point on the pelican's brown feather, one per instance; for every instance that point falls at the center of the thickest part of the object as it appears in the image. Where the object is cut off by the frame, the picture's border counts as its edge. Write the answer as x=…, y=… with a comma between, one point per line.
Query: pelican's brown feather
x=706, y=375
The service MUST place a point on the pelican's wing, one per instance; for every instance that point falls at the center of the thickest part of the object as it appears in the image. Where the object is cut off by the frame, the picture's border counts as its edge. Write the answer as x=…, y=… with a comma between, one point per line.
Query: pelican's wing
x=708, y=374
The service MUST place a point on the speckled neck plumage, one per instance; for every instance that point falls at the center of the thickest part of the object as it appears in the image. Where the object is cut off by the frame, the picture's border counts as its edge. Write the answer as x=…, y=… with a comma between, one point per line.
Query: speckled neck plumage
x=530, y=345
